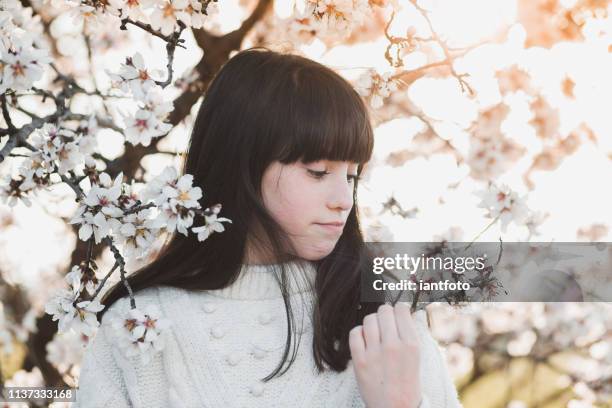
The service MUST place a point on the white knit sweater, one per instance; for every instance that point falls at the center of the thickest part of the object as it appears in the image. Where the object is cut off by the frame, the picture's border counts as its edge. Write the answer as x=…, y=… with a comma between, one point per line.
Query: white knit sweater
x=221, y=344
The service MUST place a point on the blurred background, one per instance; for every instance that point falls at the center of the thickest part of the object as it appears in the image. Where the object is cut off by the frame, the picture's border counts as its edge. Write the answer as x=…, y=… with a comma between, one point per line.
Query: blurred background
x=471, y=101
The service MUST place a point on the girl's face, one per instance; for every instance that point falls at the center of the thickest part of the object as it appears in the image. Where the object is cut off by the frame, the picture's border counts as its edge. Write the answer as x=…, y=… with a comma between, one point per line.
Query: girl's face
x=302, y=198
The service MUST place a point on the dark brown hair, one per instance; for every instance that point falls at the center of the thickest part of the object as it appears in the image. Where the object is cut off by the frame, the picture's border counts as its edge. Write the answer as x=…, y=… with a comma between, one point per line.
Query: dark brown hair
x=262, y=107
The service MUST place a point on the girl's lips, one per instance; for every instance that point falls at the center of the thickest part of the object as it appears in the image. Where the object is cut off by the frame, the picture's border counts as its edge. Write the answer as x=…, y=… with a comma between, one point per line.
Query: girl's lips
x=335, y=227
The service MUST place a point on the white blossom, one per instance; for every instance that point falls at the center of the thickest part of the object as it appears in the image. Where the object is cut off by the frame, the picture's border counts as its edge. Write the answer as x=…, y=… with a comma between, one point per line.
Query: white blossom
x=148, y=122
x=79, y=317
x=136, y=235
x=338, y=18
x=194, y=16
x=183, y=193
x=503, y=203
x=21, y=65
x=173, y=220
x=375, y=86
x=134, y=76
x=213, y=224
x=13, y=190
x=133, y=9
x=66, y=350
x=155, y=188
x=34, y=174
x=77, y=278
x=99, y=214
x=23, y=378
x=176, y=200
x=56, y=147
x=166, y=17
x=141, y=128
x=141, y=333
x=129, y=198
x=144, y=126
x=20, y=24
x=87, y=142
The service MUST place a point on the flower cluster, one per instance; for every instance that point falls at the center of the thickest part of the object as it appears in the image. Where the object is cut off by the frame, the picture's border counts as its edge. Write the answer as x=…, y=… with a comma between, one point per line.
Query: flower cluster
x=112, y=209
x=134, y=77
x=166, y=16
x=140, y=333
x=57, y=149
x=337, y=18
x=329, y=21
x=177, y=201
x=22, y=61
x=375, y=86
x=504, y=205
x=148, y=121
x=504, y=331
x=14, y=190
x=490, y=152
x=72, y=312
x=66, y=350
x=100, y=212
x=136, y=235
x=213, y=223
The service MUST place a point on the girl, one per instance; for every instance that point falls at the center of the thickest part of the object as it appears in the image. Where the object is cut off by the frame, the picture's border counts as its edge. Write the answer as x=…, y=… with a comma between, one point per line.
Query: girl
x=280, y=141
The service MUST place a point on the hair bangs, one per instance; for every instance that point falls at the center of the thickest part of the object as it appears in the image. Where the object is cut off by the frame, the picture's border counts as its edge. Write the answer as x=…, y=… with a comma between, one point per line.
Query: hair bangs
x=327, y=119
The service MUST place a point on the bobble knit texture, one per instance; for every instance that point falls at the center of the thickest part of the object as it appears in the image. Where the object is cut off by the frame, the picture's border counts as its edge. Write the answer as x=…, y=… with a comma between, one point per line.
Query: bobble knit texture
x=222, y=342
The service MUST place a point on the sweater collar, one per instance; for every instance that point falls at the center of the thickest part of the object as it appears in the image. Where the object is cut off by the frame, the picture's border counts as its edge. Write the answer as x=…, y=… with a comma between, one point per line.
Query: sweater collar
x=260, y=282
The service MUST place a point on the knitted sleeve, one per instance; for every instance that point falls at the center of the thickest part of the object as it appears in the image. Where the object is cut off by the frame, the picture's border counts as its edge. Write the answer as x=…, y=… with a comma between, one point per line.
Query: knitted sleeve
x=101, y=382
x=435, y=370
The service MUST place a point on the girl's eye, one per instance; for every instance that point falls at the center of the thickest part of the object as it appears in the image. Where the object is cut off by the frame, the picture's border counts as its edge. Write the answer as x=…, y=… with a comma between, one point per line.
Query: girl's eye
x=320, y=174
x=317, y=174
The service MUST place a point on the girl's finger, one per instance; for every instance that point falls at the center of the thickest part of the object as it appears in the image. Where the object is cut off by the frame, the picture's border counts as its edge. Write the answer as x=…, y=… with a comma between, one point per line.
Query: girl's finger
x=356, y=342
x=371, y=333
x=405, y=323
x=386, y=323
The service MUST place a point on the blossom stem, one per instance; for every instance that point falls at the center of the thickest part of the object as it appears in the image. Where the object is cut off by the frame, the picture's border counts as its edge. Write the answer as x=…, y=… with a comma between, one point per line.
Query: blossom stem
x=101, y=285
x=121, y=261
x=483, y=231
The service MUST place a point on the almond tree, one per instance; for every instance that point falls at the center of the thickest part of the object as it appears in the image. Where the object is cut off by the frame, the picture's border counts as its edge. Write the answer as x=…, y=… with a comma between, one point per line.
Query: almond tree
x=55, y=106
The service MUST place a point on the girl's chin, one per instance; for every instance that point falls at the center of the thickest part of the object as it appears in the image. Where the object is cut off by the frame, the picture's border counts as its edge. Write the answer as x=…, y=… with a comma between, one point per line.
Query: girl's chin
x=317, y=253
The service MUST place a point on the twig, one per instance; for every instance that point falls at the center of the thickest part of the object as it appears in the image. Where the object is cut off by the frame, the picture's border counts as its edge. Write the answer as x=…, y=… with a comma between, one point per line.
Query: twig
x=119, y=259
x=18, y=139
x=464, y=85
x=483, y=231
x=89, y=249
x=170, y=48
x=6, y=115
x=137, y=207
x=103, y=281
x=148, y=28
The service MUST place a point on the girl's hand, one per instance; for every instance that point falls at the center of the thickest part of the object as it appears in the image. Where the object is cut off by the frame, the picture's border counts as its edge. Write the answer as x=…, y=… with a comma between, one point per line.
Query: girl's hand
x=386, y=360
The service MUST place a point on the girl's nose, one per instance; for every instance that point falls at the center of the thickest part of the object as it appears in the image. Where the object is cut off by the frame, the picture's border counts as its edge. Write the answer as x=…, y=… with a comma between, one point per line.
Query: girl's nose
x=341, y=196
